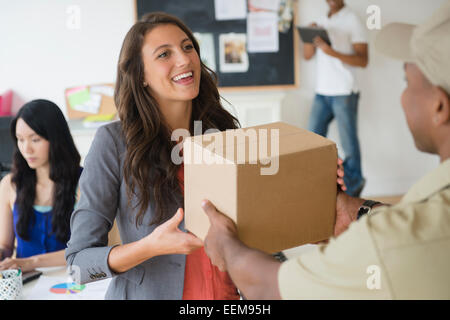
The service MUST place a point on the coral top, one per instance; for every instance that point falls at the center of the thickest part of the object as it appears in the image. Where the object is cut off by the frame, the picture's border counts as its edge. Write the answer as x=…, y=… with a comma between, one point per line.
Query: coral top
x=203, y=280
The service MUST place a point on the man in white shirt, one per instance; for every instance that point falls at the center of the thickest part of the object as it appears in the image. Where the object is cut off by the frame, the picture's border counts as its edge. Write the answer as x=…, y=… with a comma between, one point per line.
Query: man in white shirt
x=337, y=93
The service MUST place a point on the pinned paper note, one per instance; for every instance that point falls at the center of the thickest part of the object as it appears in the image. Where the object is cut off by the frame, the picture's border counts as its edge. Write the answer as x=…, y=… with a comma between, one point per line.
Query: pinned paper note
x=262, y=32
x=230, y=9
x=78, y=96
x=104, y=90
x=270, y=5
x=206, y=43
x=97, y=121
x=81, y=99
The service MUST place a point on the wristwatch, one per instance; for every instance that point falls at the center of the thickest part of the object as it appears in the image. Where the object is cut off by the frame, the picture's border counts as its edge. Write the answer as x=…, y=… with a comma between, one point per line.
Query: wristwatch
x=366, y=208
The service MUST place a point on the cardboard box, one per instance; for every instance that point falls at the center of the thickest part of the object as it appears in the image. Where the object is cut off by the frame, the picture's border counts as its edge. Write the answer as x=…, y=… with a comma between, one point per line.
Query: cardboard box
x=280, y=196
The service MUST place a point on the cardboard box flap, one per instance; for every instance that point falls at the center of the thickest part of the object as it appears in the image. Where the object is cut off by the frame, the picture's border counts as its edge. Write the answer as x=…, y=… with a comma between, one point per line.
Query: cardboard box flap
x=253, y=144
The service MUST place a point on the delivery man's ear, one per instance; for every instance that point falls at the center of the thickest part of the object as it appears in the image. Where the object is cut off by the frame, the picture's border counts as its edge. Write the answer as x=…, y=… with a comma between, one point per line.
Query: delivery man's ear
x=441, y=109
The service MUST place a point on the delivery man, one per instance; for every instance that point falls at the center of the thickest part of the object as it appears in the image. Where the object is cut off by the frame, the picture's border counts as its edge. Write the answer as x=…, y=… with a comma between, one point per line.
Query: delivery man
x=391, y=252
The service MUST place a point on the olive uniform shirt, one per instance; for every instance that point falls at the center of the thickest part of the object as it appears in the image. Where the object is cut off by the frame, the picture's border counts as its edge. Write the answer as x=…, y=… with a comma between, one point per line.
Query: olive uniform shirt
x=398, y=252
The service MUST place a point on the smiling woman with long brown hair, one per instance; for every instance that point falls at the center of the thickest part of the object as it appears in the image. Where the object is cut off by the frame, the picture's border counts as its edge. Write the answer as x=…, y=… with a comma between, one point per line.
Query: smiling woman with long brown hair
x=129, y=176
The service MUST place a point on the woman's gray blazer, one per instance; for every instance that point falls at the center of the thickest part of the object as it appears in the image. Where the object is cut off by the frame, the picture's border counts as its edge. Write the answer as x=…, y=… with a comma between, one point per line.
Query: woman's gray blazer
x=103, y=198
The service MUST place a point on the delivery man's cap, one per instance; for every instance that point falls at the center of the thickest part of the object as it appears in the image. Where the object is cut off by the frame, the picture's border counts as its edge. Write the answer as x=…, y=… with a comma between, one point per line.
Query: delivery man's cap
x=427, y=45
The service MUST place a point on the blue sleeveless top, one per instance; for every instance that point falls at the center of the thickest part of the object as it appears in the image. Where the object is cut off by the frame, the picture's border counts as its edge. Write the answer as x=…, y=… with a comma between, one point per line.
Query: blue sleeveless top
x=42, y=239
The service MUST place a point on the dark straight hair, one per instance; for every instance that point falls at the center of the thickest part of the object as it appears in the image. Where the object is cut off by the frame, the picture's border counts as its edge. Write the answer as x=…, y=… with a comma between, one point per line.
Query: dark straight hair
x=47, y=120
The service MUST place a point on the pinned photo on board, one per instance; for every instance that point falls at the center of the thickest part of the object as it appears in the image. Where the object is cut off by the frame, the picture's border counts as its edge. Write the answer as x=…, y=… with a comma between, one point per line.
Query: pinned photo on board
x=233, y=52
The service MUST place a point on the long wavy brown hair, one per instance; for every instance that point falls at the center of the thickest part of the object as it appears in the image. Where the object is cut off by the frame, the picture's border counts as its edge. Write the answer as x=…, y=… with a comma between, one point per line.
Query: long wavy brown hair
x=149, y=172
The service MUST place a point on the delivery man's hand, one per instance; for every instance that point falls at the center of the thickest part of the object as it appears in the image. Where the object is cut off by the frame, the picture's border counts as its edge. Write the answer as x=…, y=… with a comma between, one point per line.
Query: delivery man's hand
x=346, y=211
x=341, y=219
x=221, y=231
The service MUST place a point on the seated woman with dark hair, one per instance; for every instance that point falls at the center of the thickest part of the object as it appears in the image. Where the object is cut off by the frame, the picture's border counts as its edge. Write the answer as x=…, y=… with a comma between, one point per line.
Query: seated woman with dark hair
x=38, y=196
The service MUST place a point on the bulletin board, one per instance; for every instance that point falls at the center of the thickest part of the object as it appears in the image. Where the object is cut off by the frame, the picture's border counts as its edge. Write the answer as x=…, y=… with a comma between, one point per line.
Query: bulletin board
x=266, y=70
x=90, y=100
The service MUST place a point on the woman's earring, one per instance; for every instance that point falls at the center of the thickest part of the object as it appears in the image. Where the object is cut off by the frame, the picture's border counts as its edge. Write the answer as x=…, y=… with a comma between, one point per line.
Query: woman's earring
x=436, y=119
x=145, y=84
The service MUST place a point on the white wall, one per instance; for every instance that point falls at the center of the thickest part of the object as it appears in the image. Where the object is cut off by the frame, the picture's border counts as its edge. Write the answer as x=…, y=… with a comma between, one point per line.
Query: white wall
x=40, y=57
x=390, y=160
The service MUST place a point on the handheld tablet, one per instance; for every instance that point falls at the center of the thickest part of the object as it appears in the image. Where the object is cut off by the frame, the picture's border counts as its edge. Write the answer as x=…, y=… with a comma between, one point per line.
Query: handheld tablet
x=307, y=34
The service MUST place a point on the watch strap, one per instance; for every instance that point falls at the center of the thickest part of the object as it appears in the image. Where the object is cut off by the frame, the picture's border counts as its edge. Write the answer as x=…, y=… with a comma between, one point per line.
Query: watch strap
x=366, y=208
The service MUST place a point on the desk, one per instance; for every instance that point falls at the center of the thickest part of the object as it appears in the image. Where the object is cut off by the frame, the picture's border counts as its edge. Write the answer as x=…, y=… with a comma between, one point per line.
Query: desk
x=39, y=289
